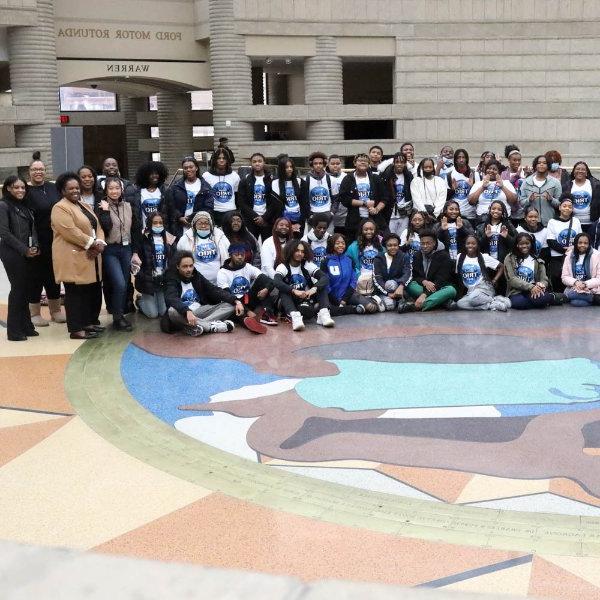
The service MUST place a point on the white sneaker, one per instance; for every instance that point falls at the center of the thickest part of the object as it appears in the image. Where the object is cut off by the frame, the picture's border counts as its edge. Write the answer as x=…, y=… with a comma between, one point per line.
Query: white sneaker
x=506, y=301
x=324, y=318
x=380, y=303
x=297, y=321
x=193, y=330
x=221, y=326
x=498, y=305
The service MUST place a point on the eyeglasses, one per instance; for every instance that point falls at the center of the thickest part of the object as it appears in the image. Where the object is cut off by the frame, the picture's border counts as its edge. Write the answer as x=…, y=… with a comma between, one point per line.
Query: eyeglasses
x=38, y=170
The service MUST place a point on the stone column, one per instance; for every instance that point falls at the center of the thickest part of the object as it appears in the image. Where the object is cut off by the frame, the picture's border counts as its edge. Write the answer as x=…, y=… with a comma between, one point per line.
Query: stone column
x=323, y=84
x=231, y=77
x=175, y=133
x=34, y=78
x=134, y=132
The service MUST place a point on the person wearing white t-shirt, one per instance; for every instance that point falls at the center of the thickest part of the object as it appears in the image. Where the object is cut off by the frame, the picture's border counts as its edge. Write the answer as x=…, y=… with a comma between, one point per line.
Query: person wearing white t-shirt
x=445, y=164
x=396, y=181
x=316, y=186
x=586, y=194
x=472, y=268
x=223, y=183
x=186, y=197
x=460, y=181
x=496, y=233
x=287, y=189
x=581, y=272
x=428, y=191
x=532, y=224
x=340, y=212
x=491, y=187
x=561, y=235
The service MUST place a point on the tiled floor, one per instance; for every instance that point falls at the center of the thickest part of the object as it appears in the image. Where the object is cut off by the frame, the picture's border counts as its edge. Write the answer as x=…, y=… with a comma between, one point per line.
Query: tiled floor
x=109, y=446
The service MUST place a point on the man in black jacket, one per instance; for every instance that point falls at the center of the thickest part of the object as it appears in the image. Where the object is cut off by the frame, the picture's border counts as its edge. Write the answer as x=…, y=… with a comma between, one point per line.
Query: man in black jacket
x=194, y=303
x=432, y=276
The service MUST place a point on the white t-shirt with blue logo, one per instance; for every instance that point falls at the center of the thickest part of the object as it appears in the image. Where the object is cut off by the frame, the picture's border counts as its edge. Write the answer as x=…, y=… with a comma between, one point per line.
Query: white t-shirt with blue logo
x=452, y=241
x=461, y=193
x=363, y=187
x=493, y=239
x=318, y=194
x=579, y=273
x=189, y=296
x=559, y=230
x=582, y=201
x=191, y=189
x=297, y=279
x=150, y=202
x=526, y=270
x=238, y=282
x=224, y=188
x=206, y=258
x=159, y=255
x=259, y=205
x=470, y=272
x=291, y=206
x=366, y=258
x=489, y=194
x=540, y=237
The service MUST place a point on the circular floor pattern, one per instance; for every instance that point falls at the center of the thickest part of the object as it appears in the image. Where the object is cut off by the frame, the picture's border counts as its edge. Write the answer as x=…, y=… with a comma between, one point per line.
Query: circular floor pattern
x=411, y=427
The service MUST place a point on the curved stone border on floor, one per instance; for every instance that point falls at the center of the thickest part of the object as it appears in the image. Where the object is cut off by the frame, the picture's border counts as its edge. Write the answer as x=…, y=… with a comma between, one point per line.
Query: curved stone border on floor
x=95, y=388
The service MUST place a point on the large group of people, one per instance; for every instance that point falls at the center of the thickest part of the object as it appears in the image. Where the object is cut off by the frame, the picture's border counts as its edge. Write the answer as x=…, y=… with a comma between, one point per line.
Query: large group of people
x=256, y=247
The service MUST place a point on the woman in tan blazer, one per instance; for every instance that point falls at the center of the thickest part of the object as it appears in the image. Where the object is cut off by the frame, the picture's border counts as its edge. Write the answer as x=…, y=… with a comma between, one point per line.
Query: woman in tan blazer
x=76, y=249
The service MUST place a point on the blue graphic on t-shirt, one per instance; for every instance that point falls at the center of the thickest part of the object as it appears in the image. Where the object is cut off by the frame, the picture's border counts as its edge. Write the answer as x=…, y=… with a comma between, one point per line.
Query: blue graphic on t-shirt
x=319, y=196
x=319, y=252
x=494, y=245
x=159, y=256
x=150, y=205
x=471, y=274
x=223, y=192
x=191, y=197
x=564, y=239
x=364, y=190
x=399, y=193
x=291, y=200
x=579, y=272
x=581, y=200
x=240, y=286
x=297, y=281
x=367, y=257
x=462, y=189
x=538, y=246
x=491, y=192
x=525, y=273
x=206, y=251
x=189, y=297
x=259, y=195
x=452, y=242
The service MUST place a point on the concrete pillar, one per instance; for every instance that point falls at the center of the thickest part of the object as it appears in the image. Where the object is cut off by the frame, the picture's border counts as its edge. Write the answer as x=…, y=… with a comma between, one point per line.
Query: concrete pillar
x=323, y=84
x=134, y=132
x=34, y=78
x=231, y=78
x=175, y=133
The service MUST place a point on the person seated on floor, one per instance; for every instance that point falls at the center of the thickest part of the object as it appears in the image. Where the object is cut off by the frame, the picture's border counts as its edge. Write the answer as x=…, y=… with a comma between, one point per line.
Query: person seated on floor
x=317, y=236
x=391, y=273
x=194, y=304
x=302, y=286
x=236, y=233
x=343, y=297
x=474, y=271
x=526, y=278
x=156, y=252
x=250, y=286
x=271, y=252
x=581, y=272
x=432, y=277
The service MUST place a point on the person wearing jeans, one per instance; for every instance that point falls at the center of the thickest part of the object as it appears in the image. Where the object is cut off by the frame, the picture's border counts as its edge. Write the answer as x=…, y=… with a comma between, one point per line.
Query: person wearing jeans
x=581, y=272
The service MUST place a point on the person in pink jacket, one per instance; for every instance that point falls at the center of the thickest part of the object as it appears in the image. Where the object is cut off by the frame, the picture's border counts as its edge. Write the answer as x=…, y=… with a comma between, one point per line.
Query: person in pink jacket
x=581, y=272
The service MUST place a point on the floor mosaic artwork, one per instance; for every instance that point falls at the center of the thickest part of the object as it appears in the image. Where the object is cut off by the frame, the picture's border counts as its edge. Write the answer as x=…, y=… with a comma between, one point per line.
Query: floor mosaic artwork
x=450, y=450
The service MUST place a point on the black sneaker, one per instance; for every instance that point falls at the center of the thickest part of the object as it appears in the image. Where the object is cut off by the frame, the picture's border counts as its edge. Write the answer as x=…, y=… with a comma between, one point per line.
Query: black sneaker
x=405, y=307
x=122, y=324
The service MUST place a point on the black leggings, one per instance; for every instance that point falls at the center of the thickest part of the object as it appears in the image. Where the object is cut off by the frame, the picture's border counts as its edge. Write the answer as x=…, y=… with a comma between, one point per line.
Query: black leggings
x=42, y=277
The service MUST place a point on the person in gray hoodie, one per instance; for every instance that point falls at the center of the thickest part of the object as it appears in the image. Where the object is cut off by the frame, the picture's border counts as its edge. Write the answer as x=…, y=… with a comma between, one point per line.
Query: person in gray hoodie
x=540, y=191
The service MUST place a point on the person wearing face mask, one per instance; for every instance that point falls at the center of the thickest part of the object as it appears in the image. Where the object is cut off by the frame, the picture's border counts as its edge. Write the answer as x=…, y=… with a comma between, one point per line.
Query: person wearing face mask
x=208, y=245
x=41, y=197
x=194, y=304
x=76, y=254
x=581, y=272
x=187, y=196
x=491, y=188
x=554, y=160
x=431, y=285
x=156, y=253
x=363, y=194
x=18, y=247
x=428, y=191
x=540, y=191
x=396, y=180
x=122, y=231
x=445, y=164
x=271, y=252
x=585, y=190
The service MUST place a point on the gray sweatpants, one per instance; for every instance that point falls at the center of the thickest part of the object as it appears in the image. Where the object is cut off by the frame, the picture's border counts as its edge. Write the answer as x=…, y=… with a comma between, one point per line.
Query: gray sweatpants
x=479, y=297
x=206, y=313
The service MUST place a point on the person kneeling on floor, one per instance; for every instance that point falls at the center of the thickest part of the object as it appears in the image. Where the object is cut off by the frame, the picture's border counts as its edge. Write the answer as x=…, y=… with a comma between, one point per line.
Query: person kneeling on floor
x=195, y=304
x=432, y=275
x=295, y=279
x=250, y=286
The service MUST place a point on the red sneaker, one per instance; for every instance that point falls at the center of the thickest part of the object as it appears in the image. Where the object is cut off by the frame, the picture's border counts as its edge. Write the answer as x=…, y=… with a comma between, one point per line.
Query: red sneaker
x=254, y=326
x=268, y=318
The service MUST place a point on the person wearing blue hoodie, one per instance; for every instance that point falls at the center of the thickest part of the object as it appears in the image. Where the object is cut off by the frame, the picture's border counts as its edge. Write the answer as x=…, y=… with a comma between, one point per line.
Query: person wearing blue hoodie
x=338, y=267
